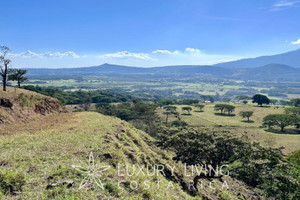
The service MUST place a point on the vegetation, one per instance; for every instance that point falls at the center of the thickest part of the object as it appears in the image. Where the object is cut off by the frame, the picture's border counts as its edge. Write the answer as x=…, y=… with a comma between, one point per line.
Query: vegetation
x=280, y=120
x=223, y=108
x=200, y=106
x=18, y=75
x=4, y=65
x=260, y=99
x=246, y=114
x=188, y=109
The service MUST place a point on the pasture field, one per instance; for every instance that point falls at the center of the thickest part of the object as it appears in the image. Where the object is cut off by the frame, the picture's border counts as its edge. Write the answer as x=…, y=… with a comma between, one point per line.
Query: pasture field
x=239, y=126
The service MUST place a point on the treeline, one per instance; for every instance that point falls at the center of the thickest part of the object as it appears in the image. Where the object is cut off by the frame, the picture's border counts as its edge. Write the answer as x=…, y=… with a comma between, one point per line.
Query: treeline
x=81, y=97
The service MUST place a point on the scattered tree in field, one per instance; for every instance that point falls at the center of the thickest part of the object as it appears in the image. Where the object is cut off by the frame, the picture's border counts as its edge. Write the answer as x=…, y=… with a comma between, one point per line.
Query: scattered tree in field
x=280, y=120
x=242, y=97
x=293, y=111
x=273, y=101
x=187, y=108
x=86, y=105
x=200, y=106
x=224, y=108
x=246, y=114
x=18, y=75
x=4, y=65
x=245, y=102
x=220, y=107
x=260, y=99
x=295, y=102
x=169, y=110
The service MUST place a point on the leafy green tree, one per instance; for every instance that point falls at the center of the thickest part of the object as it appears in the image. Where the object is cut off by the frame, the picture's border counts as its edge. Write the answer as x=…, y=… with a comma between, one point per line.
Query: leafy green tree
x=169, y=110
x=164, y=102
x=195, y=147
x=260, y=99
x=229, y=108
x=187, y=108
x=18, y=75
x=280, y=120
x=245, y=102
x=200, y=106
x=224, y=108
x=293, y=111
x=295, y=102
x=219, y=107
x=246, y=114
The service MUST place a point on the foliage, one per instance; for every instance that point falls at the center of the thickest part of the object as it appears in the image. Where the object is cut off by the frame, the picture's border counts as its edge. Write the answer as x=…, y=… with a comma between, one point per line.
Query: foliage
x=18, y=75
x=280, y=120
x=260, y=99
x=224, y=108
x=246, y=114
x=187, y=108
x=200, y=106
x=179, y=123
x=293, y=111
x=295, y=102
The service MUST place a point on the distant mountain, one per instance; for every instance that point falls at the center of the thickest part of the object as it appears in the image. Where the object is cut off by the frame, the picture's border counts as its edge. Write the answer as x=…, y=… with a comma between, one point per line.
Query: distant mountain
x=291, y=58
x=269, y=72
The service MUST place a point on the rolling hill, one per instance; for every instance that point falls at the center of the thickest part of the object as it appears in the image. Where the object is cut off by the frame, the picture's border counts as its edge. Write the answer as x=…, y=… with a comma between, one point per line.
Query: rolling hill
x=291, y=58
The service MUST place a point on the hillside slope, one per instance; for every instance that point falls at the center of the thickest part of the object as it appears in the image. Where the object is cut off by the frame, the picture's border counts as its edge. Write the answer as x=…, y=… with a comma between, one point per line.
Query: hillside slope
x=289, y=58
x=20, y=105
x=50, y=159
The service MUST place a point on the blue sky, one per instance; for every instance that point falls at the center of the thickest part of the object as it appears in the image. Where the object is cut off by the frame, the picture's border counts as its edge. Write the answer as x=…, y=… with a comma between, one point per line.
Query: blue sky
x=75, y=33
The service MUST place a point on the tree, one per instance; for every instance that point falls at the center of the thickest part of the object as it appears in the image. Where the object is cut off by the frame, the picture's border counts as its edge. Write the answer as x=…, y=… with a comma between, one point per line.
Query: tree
x=224, y=108
x=280, y=120
x=246, y=114
x=260, y=99
x=293, y=111
x=295, y=102
x=200, y=106
x=168, y=111
x=245, y=102
x=187, y=108
x=18, y=75
x=219, y=107
x=195, y=147
x=4, y=65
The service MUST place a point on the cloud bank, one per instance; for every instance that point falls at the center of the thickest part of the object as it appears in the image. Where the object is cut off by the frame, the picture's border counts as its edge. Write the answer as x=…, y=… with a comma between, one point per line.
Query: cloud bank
x=296, y=42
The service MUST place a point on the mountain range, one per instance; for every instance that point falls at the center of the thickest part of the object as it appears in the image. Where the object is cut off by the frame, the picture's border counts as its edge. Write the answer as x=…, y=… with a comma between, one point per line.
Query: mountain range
x=281, y=67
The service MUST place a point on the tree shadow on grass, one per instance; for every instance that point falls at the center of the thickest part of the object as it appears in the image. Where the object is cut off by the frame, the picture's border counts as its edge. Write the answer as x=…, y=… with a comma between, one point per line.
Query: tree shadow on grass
x=246, y=121
x=186, y=114
x=225, y=115
x=286, y=131
x=199, y=111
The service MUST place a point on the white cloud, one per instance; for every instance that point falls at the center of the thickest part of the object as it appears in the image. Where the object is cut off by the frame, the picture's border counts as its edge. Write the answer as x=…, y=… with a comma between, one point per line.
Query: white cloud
x=162, y=51
x=126, y=54
x=283, y=4
x=296, y=42
x=192, y=50
x=30, y=54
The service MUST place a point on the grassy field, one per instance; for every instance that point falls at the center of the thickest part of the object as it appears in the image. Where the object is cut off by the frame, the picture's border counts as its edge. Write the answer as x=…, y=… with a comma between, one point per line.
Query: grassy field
x=240, y=126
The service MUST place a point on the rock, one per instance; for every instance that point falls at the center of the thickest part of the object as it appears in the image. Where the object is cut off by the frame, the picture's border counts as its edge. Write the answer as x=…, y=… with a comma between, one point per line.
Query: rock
x=59, y=183
x=6, y=103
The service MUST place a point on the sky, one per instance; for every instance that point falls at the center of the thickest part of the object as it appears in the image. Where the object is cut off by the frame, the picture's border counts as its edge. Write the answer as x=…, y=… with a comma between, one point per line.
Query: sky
x=145, y=33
